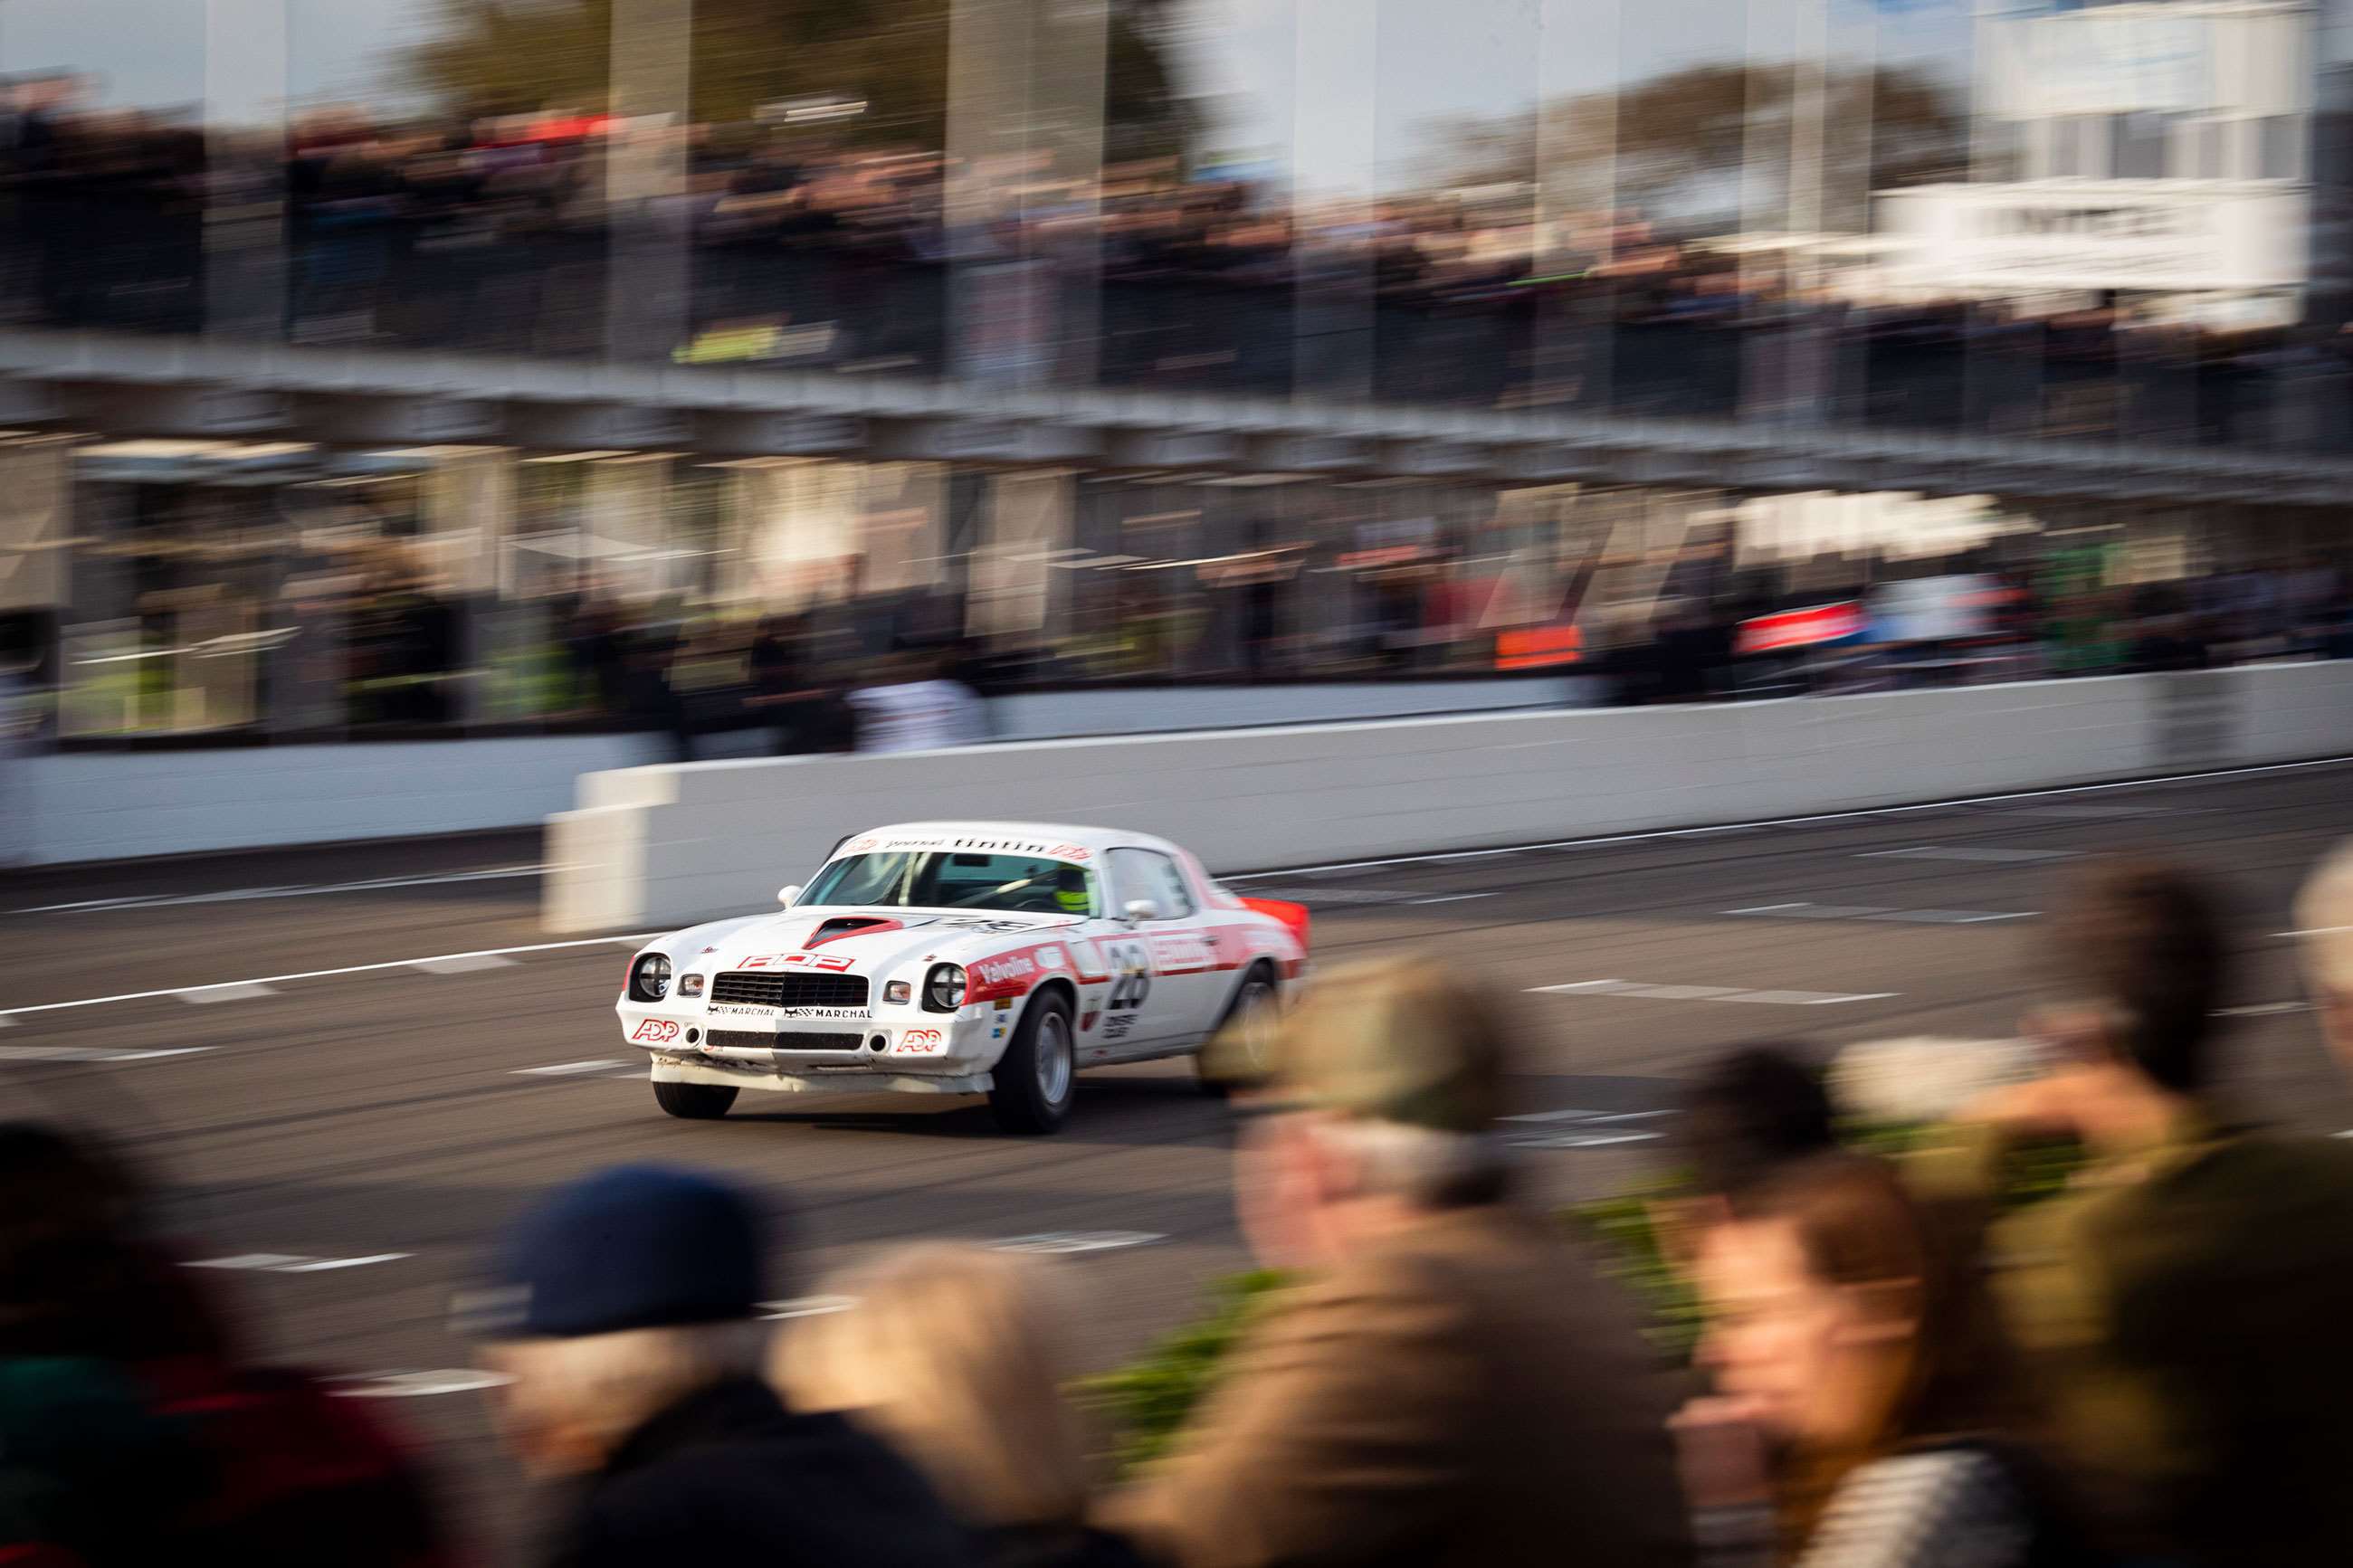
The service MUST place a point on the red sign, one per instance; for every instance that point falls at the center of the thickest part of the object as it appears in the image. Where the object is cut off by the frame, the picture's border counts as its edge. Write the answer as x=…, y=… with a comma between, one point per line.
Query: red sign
x=834, y=961
x=1808, y=627
x=1538, y=647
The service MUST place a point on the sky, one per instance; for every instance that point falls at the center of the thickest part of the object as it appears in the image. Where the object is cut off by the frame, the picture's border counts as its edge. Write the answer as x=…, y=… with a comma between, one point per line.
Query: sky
x=1289, y=76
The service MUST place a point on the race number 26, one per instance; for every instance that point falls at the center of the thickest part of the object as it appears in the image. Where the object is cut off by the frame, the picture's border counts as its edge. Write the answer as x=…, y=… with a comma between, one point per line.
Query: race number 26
x=1132, y=963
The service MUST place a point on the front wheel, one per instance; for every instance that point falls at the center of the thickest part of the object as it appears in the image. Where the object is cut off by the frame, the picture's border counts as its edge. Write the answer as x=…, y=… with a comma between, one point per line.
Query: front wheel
x=695, y=1101
x=1036, y=1078
x=1241, y=1053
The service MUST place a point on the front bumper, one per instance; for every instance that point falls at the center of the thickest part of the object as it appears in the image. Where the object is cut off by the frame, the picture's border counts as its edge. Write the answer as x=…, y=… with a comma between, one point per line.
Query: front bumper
x=796, y=1052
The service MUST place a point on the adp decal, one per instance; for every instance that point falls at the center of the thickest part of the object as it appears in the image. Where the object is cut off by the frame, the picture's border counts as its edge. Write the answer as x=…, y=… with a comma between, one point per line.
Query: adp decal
x=654, y=1032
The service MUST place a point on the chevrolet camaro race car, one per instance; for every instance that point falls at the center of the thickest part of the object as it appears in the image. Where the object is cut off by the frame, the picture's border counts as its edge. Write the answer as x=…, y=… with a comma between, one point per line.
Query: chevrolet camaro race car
x=965, y=958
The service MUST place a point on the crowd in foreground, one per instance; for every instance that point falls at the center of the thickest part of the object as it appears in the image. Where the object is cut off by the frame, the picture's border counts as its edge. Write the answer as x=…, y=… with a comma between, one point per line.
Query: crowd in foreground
x=2152, y=1368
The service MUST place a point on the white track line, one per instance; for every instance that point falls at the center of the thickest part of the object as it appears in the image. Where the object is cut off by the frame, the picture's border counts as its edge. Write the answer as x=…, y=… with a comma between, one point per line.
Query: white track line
x=92, y=1054
x=570, y=1070
x=294, y=1262
x=1650, y=993
x=416, y=1384
x=1587, y=1116
x=188, y=991
x=1808, y=912
x=1646, y=836
x=463, y=964
x=1061, y=1242
x=205, y=995
x=805, y=1307
x=1989, y=856
x=1575, y=1139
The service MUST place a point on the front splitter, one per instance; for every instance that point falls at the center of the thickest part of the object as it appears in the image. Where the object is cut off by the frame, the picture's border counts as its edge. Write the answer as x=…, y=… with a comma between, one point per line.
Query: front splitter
x=670, y=1070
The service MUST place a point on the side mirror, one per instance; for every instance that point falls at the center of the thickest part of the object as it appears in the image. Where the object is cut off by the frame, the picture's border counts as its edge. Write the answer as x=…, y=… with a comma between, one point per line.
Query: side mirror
x=1143, y=909
x=786, y=894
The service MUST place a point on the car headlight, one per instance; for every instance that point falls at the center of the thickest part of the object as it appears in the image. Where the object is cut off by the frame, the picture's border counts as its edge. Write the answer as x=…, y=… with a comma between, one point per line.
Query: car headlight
x=649, y=980
x=690, y=985
x=943, y=988
x=898, y=992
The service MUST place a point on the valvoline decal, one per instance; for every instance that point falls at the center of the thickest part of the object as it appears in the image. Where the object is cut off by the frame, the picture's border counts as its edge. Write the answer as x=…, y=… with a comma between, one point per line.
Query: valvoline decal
x=1014, y=972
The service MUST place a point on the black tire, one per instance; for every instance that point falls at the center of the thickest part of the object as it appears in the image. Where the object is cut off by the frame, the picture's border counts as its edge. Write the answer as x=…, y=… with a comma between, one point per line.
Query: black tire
x=1225, y=1063
x=1024, y=1095
x=695, y=1101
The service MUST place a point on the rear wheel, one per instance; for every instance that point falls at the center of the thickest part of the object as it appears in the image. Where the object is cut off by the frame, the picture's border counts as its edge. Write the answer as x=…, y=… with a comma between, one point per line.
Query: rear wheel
x=1037, y=1077
x=1241, y=1052
x=695, y=1101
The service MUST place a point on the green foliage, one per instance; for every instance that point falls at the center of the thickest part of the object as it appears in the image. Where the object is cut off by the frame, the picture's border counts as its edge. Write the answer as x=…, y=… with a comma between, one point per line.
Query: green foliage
x=1631, y=1250
x=2031, y=1170
x=1146, y=1401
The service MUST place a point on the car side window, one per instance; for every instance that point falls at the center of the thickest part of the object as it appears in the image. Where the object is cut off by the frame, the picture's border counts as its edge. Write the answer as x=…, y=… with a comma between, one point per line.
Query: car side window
x=1148, y=874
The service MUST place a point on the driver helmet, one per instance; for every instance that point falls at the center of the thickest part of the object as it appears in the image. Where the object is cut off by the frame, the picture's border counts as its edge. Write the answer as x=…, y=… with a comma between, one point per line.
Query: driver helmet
x=1071, y=891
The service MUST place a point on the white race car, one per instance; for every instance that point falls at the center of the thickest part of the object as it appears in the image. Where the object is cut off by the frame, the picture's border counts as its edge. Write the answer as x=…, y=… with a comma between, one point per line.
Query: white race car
x=965, y=958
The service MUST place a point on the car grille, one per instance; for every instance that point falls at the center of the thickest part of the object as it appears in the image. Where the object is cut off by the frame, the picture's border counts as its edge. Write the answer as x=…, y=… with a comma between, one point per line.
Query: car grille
x=748, y=988
x=761, y=1040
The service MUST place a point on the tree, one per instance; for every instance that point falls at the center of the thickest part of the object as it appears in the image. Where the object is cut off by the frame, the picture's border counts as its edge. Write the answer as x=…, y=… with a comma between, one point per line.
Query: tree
x=1674, y=141
x=492, y=56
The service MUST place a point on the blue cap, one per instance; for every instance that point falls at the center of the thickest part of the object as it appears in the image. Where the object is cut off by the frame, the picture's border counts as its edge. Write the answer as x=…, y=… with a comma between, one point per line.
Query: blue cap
x=637, y=1246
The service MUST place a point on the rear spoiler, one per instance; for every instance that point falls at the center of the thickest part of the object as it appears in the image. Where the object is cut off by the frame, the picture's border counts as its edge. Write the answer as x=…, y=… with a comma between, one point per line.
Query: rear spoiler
x=1292, y=915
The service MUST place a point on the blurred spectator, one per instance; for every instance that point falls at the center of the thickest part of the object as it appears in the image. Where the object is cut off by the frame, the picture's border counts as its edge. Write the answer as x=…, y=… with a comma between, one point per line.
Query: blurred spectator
x=914, y=707
x=636, y=1352
x=958, y=1355
x=1843, y=1330
x=2168, y=638
x=116, y=1372
x=2184, y=1302
x=1754, y=1111
x=1453, y=1384
x=650, y=650
x=2323, y=923
x=781, y=695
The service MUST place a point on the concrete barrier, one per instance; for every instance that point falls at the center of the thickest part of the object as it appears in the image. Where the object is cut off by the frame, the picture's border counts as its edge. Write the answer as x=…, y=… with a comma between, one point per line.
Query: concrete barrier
x=1054, y=715
x=660, y=846
x=92, y=805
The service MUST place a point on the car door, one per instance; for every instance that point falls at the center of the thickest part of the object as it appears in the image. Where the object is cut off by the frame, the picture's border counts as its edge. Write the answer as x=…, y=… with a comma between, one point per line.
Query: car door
x=1164, y=974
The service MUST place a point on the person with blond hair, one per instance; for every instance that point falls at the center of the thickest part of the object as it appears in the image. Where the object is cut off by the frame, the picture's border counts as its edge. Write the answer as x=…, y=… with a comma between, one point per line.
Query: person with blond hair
x=955, y=1355
x=1451, y=1384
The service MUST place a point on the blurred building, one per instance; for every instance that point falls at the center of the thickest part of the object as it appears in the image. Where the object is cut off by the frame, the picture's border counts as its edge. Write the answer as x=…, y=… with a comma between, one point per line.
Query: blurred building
x=2154, y=156
x=568, y=388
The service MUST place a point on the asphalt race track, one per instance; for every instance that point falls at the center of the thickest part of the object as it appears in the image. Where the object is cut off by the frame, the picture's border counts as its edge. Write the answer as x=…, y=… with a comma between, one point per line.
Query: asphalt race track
x=354, y=1064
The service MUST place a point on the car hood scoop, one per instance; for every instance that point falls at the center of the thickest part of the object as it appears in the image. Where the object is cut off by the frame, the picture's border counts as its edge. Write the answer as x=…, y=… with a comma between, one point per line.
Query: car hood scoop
x=840, y=926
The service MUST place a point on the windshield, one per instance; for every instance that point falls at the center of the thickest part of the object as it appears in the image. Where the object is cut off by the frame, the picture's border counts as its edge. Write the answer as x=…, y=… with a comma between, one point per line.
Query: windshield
x=937, y=880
